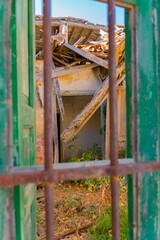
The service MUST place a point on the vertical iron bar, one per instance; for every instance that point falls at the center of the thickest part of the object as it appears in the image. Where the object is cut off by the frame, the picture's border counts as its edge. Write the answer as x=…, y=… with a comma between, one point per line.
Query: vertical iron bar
x=9, y=124
x=113, y=122
x=48, y=117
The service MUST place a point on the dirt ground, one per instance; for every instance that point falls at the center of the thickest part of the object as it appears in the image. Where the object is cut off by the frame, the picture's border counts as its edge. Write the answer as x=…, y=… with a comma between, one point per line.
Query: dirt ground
x=75, y=209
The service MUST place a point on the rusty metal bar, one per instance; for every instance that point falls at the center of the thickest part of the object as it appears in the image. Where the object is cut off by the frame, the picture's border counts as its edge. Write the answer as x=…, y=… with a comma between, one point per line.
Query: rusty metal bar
x=48, y=117
x=32, y=175
x=113, y=122
x=47, y=88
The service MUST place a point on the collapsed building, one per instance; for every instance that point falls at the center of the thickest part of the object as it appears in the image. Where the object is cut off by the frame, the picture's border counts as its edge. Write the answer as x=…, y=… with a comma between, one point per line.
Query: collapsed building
x=80, y=85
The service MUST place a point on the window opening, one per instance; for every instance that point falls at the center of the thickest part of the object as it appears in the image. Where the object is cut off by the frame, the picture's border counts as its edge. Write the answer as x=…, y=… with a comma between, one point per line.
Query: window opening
x=50, y=173
x=102, y=74
x=71, y=35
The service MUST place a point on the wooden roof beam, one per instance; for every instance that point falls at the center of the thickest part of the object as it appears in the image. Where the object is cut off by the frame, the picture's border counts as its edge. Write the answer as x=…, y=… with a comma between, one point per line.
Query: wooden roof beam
x=72, y=33
x=81, y=33
x=72, y=24
x=88, y=36
x=99, y=97
x=61, y=71
x=88, y=56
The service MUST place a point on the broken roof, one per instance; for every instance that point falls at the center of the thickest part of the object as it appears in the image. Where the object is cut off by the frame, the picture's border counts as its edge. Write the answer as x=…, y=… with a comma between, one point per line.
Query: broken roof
x=76, y=28
x=93, y=48
x=87, y=47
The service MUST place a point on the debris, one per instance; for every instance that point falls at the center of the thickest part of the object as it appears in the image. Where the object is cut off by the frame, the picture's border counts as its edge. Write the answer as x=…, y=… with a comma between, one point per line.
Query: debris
x=58, y=95
x=72, y=231
x=76, y=125
x=86, y=47
x=82, y=35
x=88, y=55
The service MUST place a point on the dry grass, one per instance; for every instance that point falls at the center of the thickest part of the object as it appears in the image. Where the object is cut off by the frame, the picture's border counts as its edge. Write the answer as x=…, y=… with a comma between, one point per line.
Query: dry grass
x=74, y=207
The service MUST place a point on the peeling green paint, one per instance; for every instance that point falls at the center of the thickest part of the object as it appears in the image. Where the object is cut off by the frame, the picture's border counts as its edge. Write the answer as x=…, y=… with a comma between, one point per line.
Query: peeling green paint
x=146, y=196
x=148, y=116
x=24, y=113
x=128, y=55
x=3, y=120
x=3, y=91
x=3, y=213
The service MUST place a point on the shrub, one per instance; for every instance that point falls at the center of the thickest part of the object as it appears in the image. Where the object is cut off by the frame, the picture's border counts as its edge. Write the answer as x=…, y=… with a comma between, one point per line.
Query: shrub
x=102, y=229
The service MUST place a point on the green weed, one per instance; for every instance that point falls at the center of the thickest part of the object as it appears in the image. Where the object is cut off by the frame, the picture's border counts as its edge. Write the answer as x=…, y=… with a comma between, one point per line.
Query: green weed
x=94, y=184
x=122, y=152
x=74, y=202
x=102, y=230
x=79, y=154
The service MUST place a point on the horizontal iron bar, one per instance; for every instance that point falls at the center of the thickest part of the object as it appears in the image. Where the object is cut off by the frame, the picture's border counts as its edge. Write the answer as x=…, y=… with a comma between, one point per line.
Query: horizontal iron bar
x=37, y=175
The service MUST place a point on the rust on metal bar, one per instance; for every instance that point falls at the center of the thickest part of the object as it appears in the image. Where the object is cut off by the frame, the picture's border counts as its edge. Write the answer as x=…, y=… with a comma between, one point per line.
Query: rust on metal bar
x=113, y=122
x=34, y=175
x=48, y=117
x=47, y=88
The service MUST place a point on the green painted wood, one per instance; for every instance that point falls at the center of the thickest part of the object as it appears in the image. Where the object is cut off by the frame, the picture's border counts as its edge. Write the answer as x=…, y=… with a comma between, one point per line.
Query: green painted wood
x=3, y=120
x=3, y=91
x=148, y=115
x=146, y=196
x=128, y=56
x=24, y=113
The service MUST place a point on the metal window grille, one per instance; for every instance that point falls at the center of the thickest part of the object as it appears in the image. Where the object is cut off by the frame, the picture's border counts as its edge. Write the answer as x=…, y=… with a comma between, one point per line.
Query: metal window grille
x=50, y=173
